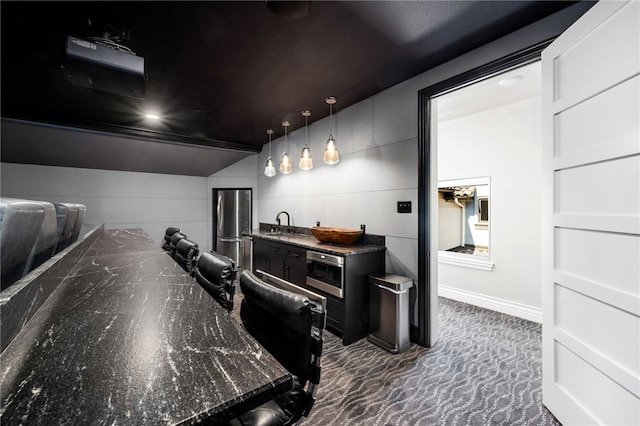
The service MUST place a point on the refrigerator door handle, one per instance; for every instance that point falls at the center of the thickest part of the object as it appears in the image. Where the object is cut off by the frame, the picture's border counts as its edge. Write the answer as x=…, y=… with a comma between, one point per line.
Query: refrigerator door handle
x=230, y=240
x=219, y=212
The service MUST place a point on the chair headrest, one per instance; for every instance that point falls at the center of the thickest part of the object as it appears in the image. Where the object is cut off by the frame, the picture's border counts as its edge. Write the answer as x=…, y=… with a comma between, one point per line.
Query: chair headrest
x=171, y=230
x=216, y=267
x=185, y=245
x=277, y=302
x=177, y=237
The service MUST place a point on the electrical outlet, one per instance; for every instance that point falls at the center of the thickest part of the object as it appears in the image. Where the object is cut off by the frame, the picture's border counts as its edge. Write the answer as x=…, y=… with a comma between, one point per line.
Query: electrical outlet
x=404, y=206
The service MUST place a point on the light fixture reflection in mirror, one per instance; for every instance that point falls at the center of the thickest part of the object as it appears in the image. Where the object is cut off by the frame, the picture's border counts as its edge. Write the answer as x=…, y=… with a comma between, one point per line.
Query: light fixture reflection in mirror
x=269, y=169
x=306, y=162
x=331, y=154
x=285, y=161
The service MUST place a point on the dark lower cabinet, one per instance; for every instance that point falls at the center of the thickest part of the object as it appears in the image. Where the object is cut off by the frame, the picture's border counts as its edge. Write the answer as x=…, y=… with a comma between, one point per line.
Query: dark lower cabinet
x=260, y=256
x=335, y=315
x=352, y=311
x=347, y=317
x=279, y=259
x=295, y=265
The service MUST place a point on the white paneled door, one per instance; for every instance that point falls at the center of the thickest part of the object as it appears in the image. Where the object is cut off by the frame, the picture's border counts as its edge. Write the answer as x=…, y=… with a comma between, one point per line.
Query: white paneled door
x=591, y=218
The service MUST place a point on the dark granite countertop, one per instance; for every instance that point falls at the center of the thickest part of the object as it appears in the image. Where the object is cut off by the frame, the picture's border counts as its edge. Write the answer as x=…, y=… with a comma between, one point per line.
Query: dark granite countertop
x=129, y=338
x=308, y=241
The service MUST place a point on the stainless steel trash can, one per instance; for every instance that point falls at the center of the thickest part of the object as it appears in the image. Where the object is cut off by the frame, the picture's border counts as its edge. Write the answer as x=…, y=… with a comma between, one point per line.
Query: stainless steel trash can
x=389, y=312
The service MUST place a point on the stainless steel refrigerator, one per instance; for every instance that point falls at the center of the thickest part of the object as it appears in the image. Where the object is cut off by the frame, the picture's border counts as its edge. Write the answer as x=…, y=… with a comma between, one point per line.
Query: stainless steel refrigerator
x=232, y=217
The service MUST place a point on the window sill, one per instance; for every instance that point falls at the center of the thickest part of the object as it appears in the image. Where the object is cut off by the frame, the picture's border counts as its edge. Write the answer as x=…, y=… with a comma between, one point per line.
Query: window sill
x=465, y=260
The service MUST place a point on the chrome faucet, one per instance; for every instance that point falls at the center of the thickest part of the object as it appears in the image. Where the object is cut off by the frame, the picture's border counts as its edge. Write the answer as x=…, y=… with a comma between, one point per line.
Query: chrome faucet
x=288, y=219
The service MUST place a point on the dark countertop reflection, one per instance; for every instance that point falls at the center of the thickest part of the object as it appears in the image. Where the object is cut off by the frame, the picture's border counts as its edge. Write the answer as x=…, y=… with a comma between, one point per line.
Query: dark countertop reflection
x=129, y=338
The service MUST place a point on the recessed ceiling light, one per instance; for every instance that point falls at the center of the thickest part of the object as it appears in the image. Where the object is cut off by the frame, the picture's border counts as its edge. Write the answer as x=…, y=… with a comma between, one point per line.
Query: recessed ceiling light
x=152, y=116
x=510, y=81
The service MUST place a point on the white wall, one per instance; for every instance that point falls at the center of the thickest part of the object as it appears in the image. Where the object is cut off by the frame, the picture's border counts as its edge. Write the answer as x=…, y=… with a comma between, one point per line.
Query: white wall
x=149, y=201
x=377, y=140
x=378, y=143
x=505, y=144
x=378, y=167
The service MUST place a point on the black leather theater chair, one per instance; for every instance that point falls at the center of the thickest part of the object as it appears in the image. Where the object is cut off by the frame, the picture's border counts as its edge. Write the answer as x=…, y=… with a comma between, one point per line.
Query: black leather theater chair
x=46, y=242
x=77, y=226
x=217, y=274
x=290, y=327
x=20, y=223
x=177, y=236
x=166, y=242
x=187, y=255
x=67, y=215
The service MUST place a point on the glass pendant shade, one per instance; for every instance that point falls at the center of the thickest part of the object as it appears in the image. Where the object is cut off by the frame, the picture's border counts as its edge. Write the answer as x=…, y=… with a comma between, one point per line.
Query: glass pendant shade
x=306, y=162
x=331, y=154
x=285, y=164
x=269, y=169
x=285, y=161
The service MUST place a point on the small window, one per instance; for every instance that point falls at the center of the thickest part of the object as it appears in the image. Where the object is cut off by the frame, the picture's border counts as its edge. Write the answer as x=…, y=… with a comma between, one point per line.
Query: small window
x=483, y=209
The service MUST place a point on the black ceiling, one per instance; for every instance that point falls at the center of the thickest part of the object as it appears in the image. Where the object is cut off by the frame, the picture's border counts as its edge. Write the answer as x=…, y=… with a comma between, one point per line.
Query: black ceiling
x=221, y=73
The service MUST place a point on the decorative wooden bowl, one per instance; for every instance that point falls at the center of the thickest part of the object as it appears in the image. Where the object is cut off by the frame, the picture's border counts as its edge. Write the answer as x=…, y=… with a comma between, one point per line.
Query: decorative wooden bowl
x=336, y=235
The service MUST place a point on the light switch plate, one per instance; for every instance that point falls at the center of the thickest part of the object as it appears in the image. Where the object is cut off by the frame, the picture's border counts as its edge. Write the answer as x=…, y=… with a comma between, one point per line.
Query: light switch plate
x=404, y=206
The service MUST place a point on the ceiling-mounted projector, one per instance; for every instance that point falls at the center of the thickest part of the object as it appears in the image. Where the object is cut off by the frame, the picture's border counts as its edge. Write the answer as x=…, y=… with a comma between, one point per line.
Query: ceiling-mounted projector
x=96, y=66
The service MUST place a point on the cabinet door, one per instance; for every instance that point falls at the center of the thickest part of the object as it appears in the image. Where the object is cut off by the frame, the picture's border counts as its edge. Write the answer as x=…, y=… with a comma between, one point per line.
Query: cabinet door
x=296, y=266
x=276, y=259
x=277, y=267
x=296, y=276
x=260, y=255
x=335, y=315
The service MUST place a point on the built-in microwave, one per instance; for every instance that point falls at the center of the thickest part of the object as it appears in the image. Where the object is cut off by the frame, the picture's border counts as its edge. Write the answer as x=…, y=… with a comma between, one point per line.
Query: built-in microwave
x=325, y=272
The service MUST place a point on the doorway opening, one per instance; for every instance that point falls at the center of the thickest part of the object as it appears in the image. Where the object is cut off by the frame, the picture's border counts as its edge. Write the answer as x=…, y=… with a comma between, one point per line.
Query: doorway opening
x=489, y=145
x=476, y=208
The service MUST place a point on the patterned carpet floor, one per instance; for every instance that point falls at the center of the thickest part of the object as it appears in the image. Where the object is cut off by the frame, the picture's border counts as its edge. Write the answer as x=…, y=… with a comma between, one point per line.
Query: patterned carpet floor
x=485, y=369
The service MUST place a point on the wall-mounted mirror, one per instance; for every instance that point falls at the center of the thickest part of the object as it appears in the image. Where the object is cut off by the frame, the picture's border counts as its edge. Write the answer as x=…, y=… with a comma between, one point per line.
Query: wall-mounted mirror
x=464, y=218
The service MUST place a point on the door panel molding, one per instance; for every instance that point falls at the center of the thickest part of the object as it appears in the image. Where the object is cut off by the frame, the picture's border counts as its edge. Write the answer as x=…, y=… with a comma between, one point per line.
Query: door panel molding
x=591, y=218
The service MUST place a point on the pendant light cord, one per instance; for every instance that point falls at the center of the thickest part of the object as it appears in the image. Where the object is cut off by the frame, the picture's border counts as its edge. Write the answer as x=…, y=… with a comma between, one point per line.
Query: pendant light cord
x=331, y=120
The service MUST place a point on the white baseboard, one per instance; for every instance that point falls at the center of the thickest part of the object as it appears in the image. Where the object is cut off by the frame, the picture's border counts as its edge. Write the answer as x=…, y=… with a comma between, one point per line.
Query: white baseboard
x=499, y=305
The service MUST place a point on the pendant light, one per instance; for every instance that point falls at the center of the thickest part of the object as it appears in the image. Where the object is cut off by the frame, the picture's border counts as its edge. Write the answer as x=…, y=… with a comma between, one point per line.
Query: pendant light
x=285, y=161
x=306, y=162
x=269, y=170
x=331, y=155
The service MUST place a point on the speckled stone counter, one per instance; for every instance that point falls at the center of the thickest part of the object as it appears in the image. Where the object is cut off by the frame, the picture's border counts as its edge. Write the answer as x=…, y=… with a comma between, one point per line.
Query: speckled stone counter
x=129, y=338
x=308, y=241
